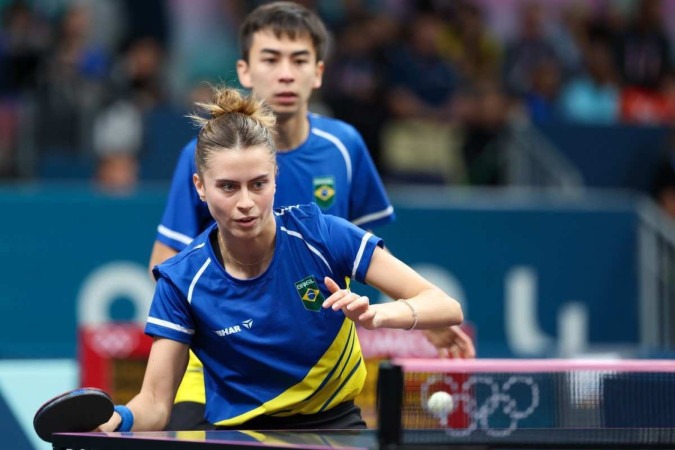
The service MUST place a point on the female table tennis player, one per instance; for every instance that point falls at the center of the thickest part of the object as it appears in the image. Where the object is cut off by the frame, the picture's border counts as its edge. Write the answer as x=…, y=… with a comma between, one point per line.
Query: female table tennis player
x=262, y=295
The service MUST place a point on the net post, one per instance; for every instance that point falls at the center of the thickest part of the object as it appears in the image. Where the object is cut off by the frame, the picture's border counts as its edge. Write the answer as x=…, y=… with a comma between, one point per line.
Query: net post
x=389, y=404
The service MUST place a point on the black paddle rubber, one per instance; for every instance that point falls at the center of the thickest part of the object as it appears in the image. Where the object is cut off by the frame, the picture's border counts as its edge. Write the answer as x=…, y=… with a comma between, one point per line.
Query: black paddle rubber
x=79, y=410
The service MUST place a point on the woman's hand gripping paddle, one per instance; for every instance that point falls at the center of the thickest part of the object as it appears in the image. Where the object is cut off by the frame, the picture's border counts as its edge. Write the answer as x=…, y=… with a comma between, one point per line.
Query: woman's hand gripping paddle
x=79, y=410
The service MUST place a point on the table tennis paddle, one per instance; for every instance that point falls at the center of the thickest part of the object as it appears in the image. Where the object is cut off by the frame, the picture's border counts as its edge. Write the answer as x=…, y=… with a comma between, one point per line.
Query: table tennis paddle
x=78, y=410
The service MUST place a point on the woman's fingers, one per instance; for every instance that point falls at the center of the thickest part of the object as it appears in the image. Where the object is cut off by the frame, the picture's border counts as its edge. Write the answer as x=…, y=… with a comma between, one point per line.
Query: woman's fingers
x=358, y=302
x=354, y=306
x=343, y=299
x=331, y=285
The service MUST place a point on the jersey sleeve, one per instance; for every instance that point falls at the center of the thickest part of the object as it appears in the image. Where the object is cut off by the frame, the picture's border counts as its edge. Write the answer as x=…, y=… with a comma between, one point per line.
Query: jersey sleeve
x=369, y=205
x=169, y=315
x=351, y=246
x=185, y=216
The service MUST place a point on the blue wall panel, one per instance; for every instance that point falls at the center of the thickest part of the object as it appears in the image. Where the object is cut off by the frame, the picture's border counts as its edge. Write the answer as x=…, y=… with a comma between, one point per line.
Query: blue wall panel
x=55, y=241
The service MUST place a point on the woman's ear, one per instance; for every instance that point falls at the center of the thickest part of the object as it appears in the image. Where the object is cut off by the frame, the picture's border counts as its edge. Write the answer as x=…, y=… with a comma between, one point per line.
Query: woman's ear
x=199, y=186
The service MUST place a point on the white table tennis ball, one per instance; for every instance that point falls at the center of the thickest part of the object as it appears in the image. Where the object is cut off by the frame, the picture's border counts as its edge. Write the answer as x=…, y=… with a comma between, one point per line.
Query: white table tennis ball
x=440, y=403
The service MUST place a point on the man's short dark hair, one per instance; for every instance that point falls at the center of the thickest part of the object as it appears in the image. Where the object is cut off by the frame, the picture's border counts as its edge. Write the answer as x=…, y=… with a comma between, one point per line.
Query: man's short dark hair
x=284, y=19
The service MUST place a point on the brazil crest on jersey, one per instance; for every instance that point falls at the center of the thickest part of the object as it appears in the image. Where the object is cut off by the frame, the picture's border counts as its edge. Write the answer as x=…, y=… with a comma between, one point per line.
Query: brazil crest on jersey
x=267, y=345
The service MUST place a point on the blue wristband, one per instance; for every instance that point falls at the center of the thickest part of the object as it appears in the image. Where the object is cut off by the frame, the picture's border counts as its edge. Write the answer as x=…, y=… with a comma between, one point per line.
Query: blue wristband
x=127, y=418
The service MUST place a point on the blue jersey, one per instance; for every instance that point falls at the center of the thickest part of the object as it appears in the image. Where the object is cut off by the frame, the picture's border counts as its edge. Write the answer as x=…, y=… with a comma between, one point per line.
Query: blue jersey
x=267, y=345
x=332, y=168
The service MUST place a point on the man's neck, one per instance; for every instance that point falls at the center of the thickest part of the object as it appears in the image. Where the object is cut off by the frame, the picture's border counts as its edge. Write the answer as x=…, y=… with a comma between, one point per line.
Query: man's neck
x=291, y=132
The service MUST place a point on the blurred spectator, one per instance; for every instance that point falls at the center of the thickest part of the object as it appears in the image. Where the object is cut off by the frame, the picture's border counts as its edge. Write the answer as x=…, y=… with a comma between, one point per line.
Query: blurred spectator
x=485, y=114
x=202, y=42
x=643, y=51
x=71, y=88
x=541, y=100
x=593, y=96
x=420, y=90
x=469, y=46
x=644, y=107
x=650, y=107
x=570, y=36
x=139, y=75
x=74, y=39
x=146, y=18
x=644, y=58
x=117, y=173
x=529, y=51
x=24, y=40
x=355, y=79
x=118, y=134
x=609, y=21
x=421, y=82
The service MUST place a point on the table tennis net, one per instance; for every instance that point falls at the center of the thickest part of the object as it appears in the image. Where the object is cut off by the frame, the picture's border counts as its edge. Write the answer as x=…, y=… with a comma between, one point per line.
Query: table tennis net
x=543, y=399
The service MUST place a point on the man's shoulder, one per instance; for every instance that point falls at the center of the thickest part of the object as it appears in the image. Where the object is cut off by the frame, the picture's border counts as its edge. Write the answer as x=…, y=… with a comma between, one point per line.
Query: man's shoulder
x=192, y=256
x=324, y=125
x=190, y=147
x=186, y=157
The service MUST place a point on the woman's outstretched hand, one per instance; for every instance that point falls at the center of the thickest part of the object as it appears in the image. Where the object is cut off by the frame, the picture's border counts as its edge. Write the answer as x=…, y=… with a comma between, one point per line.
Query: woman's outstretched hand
x=356, y=307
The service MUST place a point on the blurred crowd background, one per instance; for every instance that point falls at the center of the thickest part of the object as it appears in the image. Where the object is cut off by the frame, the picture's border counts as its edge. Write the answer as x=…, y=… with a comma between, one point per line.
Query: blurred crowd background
x=471, y=99
x=98, y=89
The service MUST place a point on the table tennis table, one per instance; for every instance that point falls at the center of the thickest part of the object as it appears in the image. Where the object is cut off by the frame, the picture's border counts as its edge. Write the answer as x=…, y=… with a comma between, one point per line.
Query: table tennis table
x=499, y=405
x=368, y=440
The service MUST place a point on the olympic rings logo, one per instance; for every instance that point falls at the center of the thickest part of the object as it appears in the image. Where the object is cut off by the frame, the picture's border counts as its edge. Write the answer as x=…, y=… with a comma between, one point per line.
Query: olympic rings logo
x=484, y=399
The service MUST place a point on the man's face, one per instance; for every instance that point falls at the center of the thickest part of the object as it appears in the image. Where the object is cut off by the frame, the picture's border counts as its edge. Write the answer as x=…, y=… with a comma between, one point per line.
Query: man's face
x=282, y=71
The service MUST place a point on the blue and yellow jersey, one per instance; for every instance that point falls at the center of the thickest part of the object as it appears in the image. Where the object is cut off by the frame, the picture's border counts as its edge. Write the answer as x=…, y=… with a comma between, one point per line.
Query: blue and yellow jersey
x=267, y=345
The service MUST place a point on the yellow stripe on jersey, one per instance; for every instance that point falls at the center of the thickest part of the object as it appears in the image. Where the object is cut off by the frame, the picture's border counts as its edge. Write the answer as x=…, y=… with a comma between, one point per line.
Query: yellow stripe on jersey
x=192, y=388
x=327, y=384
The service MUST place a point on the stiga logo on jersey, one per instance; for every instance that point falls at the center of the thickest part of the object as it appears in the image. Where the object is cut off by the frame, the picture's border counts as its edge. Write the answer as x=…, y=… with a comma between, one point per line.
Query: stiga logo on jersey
x=324, y=191
x=309, y=293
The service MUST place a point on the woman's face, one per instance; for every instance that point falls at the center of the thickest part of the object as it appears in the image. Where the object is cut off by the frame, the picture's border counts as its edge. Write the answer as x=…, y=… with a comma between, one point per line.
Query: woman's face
x=239, y=186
